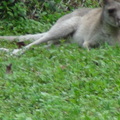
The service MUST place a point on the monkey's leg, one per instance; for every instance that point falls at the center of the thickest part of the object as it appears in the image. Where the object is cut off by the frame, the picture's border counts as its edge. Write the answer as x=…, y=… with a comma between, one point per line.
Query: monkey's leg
x=21, y=38
x=31, y=37
x=58, y=31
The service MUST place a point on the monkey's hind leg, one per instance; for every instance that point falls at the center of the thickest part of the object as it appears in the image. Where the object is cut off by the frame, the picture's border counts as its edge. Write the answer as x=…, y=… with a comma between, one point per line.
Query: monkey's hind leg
x=59, y=30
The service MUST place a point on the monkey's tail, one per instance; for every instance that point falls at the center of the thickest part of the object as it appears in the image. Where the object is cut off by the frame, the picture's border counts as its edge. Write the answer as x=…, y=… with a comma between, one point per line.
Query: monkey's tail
x=28, y=37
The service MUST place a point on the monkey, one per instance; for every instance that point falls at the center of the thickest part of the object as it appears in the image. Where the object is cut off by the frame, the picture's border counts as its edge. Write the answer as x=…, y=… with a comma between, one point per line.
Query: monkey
x=87, y=27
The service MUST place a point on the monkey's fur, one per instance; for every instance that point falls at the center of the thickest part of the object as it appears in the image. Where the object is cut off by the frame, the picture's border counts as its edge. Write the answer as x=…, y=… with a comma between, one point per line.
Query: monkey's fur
x=87, y=27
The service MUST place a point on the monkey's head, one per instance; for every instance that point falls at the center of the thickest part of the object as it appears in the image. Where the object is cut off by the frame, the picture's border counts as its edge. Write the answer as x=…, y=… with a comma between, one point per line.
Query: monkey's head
x=111, y=12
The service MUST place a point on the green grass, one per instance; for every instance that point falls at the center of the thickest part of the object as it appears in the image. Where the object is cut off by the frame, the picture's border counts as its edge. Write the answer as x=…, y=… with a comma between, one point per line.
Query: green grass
x=60, y=83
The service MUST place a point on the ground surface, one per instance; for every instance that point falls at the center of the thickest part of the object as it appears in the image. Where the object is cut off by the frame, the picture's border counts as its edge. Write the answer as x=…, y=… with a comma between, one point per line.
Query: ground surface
x=60, y=83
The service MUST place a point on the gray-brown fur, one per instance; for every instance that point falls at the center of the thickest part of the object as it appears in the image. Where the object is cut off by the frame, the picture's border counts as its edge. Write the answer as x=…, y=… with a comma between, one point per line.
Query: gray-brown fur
x=88, y=27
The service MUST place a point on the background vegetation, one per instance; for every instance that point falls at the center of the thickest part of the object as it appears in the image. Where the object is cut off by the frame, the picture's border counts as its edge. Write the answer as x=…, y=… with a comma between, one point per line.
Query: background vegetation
x=22, y=16
x=60, y=83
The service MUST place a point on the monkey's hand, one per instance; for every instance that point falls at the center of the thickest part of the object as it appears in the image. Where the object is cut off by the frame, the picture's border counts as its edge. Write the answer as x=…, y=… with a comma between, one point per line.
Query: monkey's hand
x=4, y=49
x=17, y=52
